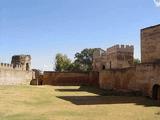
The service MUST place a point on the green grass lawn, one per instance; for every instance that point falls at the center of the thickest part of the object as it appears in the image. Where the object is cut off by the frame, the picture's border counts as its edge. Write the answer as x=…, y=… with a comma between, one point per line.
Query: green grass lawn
x=72, y=103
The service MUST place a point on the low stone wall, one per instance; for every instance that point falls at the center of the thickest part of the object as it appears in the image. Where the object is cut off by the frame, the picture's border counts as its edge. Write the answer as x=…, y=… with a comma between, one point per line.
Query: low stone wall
x=140, y=78
x=70, y=78
x=15, y=77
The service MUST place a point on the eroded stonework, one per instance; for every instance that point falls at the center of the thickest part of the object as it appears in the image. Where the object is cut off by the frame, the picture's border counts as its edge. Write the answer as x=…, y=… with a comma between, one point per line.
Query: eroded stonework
x=22, y=60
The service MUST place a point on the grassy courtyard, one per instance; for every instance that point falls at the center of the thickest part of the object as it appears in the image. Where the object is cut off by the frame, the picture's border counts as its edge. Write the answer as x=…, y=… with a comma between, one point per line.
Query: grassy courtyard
x=72, y=103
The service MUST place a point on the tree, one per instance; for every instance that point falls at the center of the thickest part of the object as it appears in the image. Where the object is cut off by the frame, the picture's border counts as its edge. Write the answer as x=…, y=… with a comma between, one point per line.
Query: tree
x=74, y=67
x=84, y=59
x=137, y=61
x=62, y=63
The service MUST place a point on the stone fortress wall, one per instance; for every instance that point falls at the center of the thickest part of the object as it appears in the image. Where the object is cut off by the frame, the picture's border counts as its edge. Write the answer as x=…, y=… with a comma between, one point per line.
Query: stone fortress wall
x=70, y=78
x=144, y=77
x=141, y=78
x=14, y=74
x=112, y=69
x=150, y=44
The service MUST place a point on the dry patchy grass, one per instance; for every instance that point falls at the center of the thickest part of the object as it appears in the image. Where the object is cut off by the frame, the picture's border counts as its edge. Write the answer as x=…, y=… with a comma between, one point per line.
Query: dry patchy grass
x=72, y=103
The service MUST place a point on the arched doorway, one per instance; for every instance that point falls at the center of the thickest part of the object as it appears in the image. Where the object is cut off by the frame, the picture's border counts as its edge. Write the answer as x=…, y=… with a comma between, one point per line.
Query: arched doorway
x=156, y=92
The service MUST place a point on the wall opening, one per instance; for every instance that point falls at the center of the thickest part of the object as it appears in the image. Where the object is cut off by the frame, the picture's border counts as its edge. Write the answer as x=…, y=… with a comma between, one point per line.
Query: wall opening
x=27, y=67
x=156, y=92
x=103, y=67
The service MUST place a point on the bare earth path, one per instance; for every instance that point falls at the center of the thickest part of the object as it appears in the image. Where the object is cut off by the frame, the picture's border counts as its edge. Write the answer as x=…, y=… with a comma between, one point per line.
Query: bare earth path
x=72, y=103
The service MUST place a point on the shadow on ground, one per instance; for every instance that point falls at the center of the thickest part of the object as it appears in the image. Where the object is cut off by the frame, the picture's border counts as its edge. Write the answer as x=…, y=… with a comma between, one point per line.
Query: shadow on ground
x=97, y=100
x=99, y=92
x=106, y=97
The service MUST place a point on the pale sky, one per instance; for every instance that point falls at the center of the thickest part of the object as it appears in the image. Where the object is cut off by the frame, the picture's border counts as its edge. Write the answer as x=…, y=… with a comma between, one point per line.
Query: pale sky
x=43, y=28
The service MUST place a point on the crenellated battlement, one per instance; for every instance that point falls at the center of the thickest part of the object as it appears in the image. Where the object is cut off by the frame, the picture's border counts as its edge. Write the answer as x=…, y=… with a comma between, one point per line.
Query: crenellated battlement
x=6, y=66
x=16, y=73
x=10, y=66
x=120, y=48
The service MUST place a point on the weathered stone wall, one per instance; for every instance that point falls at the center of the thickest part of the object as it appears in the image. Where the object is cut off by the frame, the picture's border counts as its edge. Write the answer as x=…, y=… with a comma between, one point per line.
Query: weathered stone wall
x=14, y=76
x=150, y=44
x=140, y=78
x=67, y=78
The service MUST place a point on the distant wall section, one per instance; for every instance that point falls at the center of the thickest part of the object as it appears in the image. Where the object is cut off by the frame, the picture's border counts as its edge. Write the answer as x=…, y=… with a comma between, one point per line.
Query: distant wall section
x=70, y=78
x=14, y=76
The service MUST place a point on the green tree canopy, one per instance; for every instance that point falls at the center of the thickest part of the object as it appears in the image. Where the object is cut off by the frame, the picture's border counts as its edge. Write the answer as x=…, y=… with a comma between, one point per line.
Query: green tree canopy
x=84, y=59
x=62, y=63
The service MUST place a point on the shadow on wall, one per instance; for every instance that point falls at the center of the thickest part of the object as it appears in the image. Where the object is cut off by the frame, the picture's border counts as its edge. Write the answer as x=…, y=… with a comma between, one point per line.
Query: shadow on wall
x=100, y=98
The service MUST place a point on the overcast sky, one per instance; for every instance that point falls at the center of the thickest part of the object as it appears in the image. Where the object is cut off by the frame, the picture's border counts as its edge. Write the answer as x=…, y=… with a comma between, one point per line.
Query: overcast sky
x=43, y=28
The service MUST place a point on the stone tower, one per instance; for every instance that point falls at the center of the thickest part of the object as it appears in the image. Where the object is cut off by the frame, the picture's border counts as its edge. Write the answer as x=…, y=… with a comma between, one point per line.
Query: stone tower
x=150, y=44
x=120, y=56
x=22, y=60
x=115, y=57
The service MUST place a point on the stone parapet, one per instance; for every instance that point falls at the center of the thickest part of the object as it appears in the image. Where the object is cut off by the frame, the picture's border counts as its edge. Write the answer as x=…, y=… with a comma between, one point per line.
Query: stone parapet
x=10, y=66
x=120, y=48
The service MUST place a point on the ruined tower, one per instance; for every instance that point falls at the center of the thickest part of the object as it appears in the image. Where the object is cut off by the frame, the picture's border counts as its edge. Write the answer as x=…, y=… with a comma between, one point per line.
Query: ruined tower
x=99, y=59
x=150, y=44
x=22, y=60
